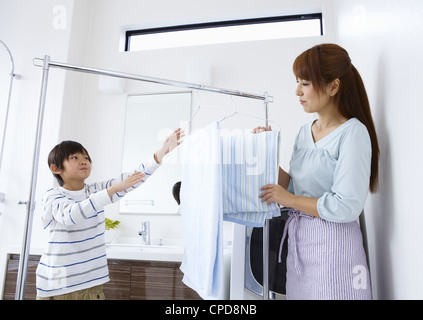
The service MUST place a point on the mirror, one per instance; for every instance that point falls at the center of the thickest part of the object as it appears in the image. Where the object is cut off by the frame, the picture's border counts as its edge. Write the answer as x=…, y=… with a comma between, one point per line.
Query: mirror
x=149, y=120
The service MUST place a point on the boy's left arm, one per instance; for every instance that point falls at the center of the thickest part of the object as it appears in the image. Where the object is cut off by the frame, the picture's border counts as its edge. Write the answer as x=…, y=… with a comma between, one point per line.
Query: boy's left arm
x=127, y=181
x=147, y=167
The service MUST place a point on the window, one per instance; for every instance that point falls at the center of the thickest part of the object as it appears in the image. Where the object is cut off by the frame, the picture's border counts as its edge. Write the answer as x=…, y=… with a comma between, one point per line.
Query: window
x=269, y=28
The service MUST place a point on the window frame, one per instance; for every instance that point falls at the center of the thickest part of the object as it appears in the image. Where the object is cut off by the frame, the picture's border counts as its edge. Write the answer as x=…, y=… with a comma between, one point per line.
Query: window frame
x=230, y=23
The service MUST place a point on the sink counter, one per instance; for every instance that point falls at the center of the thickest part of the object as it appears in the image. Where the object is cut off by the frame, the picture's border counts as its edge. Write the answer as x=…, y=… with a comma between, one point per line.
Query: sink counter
x=131, y=248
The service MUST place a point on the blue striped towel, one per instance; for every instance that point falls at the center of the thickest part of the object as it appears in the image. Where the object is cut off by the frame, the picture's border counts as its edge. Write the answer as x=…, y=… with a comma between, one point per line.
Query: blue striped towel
x=249, y=162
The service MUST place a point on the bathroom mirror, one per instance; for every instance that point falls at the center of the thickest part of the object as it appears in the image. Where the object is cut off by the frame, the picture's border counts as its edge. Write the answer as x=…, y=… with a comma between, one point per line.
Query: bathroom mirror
x=149, y=120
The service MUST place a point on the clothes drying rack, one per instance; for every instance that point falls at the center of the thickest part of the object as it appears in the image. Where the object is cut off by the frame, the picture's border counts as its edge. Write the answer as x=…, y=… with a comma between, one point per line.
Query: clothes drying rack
x=46, y=63
x=13, y=76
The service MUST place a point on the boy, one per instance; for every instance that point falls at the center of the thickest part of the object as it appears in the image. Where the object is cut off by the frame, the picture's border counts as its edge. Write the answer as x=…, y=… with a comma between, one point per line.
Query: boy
x=74, y=263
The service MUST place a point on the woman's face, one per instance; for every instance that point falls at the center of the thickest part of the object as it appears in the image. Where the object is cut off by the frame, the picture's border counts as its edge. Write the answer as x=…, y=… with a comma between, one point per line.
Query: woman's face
x=311, y=99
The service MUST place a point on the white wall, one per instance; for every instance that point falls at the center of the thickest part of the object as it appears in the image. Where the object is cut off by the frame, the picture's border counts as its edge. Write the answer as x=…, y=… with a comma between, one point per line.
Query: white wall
x=384, y=39
x=253, y=67
x=30, y=30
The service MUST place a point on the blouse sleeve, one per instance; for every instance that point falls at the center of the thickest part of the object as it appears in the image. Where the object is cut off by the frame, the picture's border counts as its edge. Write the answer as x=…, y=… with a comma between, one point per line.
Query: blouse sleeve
x=346, y=199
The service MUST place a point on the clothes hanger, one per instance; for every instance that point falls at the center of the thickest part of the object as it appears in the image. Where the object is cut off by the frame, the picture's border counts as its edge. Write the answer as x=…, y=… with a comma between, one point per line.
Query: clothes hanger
x=246, y=115
x=198, y=109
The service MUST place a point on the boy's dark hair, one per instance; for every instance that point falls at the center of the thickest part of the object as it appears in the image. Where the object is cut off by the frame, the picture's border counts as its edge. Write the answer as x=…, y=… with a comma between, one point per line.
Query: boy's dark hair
x=61, y=152
x=176, y=191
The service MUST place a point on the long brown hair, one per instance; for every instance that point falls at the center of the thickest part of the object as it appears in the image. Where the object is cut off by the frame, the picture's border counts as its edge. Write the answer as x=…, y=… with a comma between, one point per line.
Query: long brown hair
x=326, y=62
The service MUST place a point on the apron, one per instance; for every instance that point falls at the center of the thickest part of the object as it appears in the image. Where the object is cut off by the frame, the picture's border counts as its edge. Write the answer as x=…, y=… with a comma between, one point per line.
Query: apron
x=326, y=260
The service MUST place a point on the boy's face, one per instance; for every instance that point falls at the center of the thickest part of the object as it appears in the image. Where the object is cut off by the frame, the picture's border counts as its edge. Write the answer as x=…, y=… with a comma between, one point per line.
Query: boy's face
x=76, y=168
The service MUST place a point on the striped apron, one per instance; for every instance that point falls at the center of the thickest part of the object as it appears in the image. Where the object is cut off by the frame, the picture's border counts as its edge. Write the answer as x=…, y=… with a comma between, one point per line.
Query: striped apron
x=326, y=260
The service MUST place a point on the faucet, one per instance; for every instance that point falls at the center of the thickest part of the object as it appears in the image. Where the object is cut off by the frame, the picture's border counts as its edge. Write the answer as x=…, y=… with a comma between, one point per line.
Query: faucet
x=145, y=232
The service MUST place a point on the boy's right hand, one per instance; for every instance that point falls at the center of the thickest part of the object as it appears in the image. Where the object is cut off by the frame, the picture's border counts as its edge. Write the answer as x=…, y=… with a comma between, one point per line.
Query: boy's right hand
x=169, y=144
x=132, y=180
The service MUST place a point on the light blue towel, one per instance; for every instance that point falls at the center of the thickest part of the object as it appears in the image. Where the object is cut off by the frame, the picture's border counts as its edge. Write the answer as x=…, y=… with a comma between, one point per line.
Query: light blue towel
x=201, y=210
x=250, y=161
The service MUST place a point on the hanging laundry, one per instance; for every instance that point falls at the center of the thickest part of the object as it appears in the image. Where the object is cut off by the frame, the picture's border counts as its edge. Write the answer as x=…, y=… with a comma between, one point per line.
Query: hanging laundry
x=201, y=210
x=249, y=162
x=221, y=180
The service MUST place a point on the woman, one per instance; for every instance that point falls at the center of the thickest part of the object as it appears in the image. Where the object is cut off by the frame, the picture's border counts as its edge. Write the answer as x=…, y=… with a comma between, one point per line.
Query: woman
x=334, y=164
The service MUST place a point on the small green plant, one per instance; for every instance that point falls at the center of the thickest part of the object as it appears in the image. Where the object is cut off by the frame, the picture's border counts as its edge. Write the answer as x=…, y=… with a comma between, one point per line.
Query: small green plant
x=110, y=224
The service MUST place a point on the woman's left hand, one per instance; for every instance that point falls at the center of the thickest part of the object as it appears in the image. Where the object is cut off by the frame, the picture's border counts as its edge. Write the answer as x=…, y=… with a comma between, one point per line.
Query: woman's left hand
x=276, y=193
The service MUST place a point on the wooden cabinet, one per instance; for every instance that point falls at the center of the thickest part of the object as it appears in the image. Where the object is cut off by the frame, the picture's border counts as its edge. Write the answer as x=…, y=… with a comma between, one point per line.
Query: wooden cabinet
x=153, y=280
x=146, y=280
x=12, y=276
x=129, y=280
x=119, y=286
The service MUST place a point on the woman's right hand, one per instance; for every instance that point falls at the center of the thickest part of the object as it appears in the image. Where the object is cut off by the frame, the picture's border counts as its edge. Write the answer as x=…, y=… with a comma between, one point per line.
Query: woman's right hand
x=261, y=129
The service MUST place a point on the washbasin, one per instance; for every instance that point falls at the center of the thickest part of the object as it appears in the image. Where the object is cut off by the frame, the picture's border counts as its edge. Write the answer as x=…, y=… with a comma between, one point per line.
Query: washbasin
x=155, y=243
x=160, y=249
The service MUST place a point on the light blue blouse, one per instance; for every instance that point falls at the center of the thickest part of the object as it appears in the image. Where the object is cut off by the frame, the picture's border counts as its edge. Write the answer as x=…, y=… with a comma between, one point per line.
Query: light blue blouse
x=336, y=170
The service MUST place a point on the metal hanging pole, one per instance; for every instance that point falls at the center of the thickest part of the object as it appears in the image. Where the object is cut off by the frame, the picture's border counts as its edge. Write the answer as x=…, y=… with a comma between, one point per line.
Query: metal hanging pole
x=266, y=224
x=267, y=98
x=266, y=260
x=23, y=261
x=168, y=82
x=6, y=116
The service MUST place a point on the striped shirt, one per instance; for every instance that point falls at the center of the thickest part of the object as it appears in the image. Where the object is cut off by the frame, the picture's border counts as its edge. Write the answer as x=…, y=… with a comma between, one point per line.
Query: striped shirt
x=75, y=256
